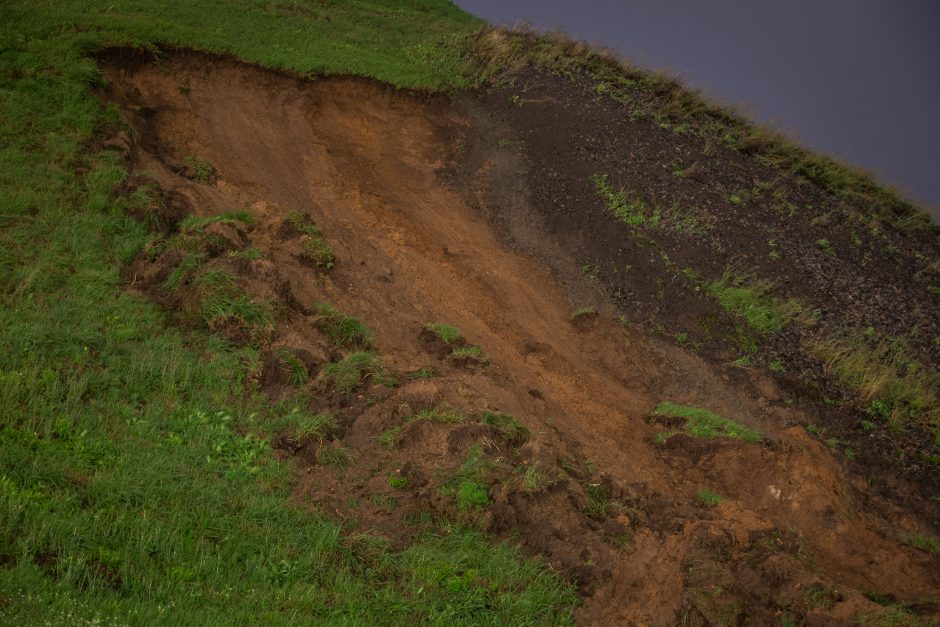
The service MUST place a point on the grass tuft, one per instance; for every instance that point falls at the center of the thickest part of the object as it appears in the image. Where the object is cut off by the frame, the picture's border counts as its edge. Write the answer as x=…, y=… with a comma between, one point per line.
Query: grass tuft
x=351, y=373
x=343, y=330
x=702, y=423
x=445, y=332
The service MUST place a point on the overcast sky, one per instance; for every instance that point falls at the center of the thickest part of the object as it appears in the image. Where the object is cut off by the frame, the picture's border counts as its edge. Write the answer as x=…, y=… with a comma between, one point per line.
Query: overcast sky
x=859, y=79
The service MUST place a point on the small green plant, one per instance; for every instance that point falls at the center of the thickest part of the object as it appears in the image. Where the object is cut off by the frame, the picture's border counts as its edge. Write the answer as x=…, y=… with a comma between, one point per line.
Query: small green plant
x=735, y=199
x=826, y=247
x=702, y=423
x=708, y=498
x=398, y=482
x=343, y=330
x=200, y=170
x=582, y=311
x=444, y=332
x=351, y=372
x=776, y=365
x=629, y=209
x=314, y=248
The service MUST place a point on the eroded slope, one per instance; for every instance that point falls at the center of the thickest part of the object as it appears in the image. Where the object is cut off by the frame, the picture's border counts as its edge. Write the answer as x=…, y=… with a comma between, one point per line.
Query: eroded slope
x=588, y=482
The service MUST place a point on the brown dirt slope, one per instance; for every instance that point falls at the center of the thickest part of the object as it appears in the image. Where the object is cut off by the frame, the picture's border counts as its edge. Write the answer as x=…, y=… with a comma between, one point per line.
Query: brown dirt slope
x=554, y=420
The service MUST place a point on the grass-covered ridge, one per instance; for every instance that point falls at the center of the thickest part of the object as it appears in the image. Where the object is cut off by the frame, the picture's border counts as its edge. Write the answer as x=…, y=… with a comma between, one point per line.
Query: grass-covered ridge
x=137, y=483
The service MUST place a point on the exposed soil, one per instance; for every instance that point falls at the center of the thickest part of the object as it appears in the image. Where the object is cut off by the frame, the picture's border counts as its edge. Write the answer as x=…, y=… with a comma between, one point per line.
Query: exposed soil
x=401, y=186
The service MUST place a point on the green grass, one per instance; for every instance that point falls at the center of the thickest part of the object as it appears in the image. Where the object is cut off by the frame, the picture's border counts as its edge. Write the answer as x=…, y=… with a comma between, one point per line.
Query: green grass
x=352, y=372
x=314, y=248
x=468, y=352
x=702, y=423
x=440, y=415
x=468, y=484
x=390, y=437
x=582, y=311
x=708, y=498
x=137, y=483
x=898, y=388
x=199, y=169
x=343, y=330
x=330, y=455
x=513, y=431
x=924, y=543
x=199, y=223
x=445, y=332
x=628, y=208
x=752, y=300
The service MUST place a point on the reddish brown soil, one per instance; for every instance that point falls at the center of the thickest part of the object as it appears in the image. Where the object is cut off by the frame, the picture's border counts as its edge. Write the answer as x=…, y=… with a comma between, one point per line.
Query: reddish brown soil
x=373, y=168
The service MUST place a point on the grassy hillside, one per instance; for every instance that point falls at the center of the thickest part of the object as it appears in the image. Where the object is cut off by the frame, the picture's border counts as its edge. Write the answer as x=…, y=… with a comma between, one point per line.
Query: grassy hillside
x=136, y=480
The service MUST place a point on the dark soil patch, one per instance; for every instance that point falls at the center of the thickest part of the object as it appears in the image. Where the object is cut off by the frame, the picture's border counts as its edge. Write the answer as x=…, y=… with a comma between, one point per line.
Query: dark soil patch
x=528, y=165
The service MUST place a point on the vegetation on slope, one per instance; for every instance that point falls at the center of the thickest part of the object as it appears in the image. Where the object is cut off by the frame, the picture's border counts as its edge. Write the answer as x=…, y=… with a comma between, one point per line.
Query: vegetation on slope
x=136, y=480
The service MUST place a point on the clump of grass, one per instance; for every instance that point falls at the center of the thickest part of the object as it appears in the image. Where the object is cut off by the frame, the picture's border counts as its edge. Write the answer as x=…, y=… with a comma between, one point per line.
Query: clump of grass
x=198, y=223
x=343, y=330
x=883, y=373
x=702, y=423
x=826, y=246
x=351, y=372
x=224, y=303
x=471, y=494
x=472, y=352
x=440, y=415
x=334, y=455
x=709, y=498
x=425, y=372
x=599, y=505
x=444, y=332
x=536, y=479
x=184, y=270
x=199, y=169
x=317, y=427
x=513, y=431
x=582, y=311
x=924, y=543
x=468, y=484
x=298, y=370
x=629, y=209
x=398, y=482
x=752, y=300
x=314, y=248
x=390, y=437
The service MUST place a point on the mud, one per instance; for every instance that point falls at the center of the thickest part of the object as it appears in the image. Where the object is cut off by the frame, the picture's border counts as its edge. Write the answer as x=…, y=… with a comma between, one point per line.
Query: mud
x=618, y=514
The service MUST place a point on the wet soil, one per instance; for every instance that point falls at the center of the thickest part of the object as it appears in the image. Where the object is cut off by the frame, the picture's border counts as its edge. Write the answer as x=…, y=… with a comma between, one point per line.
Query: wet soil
x=402, y=187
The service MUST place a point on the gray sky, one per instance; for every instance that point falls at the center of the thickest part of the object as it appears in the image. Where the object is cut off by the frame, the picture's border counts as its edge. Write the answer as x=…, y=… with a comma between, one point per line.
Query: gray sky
x=859, y=79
